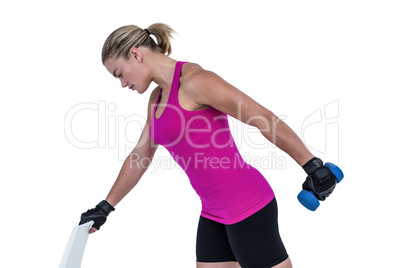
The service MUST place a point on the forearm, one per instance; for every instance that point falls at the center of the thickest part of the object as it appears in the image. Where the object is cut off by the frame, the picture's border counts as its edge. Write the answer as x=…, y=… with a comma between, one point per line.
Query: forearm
x=280, y=134
x=129, y=175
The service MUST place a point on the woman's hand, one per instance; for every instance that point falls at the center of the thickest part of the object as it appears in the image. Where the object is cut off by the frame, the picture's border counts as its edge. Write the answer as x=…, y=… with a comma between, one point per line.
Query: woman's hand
x=97, y=214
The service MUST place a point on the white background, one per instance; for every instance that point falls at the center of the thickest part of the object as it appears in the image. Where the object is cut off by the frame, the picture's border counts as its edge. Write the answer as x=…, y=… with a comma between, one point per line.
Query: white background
x=293, y=57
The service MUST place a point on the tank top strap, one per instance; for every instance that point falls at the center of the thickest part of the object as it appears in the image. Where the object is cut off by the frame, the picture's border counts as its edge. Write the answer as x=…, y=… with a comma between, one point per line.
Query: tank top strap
x=174, y=90
x=156, y=102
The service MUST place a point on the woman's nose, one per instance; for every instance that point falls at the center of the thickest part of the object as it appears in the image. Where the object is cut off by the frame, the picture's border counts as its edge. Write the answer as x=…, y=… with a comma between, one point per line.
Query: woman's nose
x=123, y=83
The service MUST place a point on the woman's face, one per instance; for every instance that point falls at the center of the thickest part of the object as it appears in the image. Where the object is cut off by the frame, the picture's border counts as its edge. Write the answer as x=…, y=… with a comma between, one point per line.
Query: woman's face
x=131, y=73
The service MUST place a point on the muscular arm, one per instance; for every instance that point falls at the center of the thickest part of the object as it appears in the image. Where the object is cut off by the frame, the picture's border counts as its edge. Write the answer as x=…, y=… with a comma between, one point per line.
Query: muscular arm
x=206, y=87
x=280, y=134
x=133, y=168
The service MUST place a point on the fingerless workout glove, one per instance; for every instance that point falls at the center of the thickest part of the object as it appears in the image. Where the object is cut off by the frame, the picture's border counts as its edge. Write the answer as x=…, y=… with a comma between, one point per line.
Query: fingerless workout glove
x=320, y=179
x=97, y=214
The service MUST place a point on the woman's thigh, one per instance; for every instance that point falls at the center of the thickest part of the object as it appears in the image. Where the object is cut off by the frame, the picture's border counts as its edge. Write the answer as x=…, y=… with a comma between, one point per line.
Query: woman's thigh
x=212, y=242
x=256, y=241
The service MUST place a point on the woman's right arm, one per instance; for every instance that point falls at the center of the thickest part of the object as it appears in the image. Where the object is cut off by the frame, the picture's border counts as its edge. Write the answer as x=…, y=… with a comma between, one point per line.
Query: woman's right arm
x=133, y=168
x=130, y=173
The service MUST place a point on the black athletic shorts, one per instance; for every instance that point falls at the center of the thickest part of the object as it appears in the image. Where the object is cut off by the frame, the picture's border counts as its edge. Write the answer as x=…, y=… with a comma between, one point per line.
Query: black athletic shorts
x=253, y=242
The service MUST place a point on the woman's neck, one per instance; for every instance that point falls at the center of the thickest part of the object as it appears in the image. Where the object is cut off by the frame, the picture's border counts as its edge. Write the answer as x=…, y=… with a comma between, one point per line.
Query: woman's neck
x=161, y=68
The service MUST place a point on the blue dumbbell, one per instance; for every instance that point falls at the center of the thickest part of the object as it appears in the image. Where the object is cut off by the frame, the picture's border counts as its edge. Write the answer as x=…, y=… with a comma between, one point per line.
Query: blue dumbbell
x=308, y=199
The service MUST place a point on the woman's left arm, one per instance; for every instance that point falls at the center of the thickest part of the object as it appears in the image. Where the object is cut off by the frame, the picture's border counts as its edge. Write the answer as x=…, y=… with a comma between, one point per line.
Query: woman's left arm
x=206, y=87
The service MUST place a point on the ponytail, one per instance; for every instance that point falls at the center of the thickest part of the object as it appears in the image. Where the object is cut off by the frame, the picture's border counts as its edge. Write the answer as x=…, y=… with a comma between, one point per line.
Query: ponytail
x=120, y=41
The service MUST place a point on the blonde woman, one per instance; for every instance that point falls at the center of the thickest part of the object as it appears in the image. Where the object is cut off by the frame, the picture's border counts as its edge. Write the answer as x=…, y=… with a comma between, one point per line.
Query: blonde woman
x=187, y=114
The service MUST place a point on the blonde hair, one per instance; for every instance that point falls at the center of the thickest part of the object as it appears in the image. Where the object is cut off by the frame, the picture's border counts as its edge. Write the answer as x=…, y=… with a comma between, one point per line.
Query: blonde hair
x=120, y=41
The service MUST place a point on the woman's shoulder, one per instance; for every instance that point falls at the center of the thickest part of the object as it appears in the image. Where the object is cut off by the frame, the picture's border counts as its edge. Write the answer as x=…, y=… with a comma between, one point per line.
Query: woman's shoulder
x=191, y=73
x=194, y=76
x=190, y=68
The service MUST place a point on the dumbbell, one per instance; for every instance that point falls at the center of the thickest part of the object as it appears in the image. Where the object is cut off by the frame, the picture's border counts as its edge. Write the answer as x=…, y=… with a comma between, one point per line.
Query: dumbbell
x=308, y=199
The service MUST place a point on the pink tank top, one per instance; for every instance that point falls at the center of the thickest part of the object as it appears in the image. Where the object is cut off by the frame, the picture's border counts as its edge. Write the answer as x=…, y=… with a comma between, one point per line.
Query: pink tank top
x=202, y=144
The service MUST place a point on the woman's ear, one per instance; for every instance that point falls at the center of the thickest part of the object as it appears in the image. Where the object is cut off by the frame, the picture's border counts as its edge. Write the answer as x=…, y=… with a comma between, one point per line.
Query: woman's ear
x=134, y=52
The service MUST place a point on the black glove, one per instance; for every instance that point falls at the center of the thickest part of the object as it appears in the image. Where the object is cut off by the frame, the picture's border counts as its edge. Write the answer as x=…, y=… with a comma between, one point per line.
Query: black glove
x=320, y=179
x=97, y=214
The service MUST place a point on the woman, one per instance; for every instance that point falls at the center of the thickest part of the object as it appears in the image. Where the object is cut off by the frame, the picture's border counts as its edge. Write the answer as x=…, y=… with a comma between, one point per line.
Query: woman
x=187, y=114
